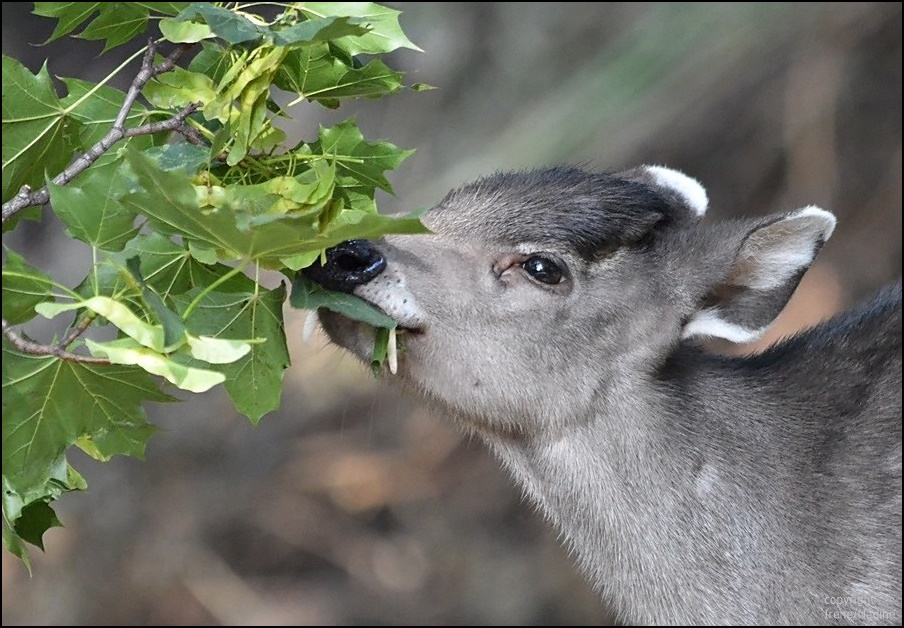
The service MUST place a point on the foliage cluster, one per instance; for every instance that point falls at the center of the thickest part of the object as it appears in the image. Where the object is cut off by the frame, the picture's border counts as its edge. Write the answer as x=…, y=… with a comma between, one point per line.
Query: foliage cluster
x=184, y=189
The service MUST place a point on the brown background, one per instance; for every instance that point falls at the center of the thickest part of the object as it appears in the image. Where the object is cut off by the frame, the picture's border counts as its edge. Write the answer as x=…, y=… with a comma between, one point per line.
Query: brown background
x=351, y=506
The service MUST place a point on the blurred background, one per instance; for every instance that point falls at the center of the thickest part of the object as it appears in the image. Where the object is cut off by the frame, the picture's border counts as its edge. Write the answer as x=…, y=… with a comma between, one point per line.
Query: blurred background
x=353, y=506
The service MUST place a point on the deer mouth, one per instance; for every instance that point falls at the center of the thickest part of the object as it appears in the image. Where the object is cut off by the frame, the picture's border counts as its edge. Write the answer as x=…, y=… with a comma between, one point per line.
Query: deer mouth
x=399, y=307
x=412, y=331
x=360, y=337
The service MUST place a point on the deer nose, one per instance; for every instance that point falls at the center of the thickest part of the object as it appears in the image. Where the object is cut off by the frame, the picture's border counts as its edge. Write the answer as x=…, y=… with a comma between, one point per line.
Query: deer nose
x=348, y=265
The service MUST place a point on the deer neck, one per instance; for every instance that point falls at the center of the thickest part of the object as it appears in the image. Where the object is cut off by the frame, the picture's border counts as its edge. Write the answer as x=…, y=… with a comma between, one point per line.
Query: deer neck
x=645, y=503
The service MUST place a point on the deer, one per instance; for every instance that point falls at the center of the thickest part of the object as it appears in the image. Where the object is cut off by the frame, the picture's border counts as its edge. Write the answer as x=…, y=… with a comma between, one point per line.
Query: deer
x=562, y=316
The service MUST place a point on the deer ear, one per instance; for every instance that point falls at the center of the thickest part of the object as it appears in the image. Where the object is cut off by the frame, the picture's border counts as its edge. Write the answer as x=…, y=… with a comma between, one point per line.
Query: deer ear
x=765, y=271
x=687, y=189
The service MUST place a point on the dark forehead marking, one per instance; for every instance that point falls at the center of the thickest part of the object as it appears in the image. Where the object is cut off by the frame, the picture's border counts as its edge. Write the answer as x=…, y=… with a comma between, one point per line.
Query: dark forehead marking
x=566, y=207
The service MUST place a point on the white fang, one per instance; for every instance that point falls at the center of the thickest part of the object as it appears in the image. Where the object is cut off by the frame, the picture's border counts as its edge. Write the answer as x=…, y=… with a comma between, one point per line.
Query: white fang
x=392, y=352
x=310, y=324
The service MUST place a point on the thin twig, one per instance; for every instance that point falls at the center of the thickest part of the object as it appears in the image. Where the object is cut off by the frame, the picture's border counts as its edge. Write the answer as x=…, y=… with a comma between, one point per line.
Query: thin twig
x=77, y=331
x=172, y=124
x=191, y=135
x=33, y=348
x=28, y=197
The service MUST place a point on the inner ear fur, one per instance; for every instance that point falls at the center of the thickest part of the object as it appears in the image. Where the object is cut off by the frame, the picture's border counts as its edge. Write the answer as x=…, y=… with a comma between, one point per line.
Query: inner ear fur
x=769, y=263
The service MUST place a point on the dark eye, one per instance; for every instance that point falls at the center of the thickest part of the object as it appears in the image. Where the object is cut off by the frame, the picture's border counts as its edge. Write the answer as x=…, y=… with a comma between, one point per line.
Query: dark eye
x=543, y=270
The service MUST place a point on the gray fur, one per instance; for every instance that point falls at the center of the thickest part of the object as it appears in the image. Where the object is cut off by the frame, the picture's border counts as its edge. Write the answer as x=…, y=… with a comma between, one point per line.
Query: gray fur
x=691, y=488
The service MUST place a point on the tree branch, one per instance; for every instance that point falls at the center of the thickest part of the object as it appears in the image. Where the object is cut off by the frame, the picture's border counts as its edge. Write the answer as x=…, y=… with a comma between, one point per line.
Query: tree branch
x=191, y=134
x=33, y=348
x=173, y=124
x=28, y=197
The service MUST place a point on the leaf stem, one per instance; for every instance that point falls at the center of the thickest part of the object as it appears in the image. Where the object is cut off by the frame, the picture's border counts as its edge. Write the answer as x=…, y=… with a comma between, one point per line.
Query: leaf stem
x=313, y=157
x=197, y=300
x=72, y=294
x=106, y=80
x=247, y=5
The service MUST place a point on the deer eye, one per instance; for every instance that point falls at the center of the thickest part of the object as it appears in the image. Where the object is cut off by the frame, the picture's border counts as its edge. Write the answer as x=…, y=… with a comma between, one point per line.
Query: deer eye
x=543, y=270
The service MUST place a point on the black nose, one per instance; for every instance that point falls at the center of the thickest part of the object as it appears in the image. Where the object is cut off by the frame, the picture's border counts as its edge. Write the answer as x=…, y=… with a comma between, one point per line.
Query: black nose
x=348, y=265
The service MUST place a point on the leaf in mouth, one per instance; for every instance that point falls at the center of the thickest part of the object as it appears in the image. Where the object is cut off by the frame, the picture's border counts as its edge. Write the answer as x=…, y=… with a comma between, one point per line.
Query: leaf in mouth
x=308, y=295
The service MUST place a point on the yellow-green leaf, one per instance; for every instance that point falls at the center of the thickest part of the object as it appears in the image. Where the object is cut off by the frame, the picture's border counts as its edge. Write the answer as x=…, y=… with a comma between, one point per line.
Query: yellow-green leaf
x=128, y=352
x=150, y=336
x=217, y=350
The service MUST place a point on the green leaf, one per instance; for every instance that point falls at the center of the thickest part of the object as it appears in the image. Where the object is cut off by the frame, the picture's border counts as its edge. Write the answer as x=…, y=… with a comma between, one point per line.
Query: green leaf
x=170, y=203
x=49, y=404
x=353, y=223
x=27, y=521
x=313, y=72
x=96, y=108
x=319, y=30
x=117, y=22
x=187, y=158
x=254, y=382
x=381, y=349
x=89, y=207
x=69, y=14
x=303, y=195
x=23, y=288
x=228, y=25
x=128, y=352
x=307, y=295
x=36, y=518
x=15, y=545
x=41, y=132
x=213, y=61
x=173, y=328
x=371, y=159
x=180, y=32
x=166, y=266
x=178, y=88
x=164, y=8
x=37, y=137
x=302, y=260
x=201, y=254
x=385, y=33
